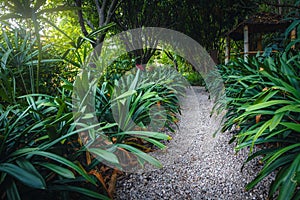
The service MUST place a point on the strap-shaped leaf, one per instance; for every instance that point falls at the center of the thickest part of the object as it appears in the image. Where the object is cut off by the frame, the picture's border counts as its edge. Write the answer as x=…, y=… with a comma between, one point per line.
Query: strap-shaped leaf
x=64, y=162
x=80, y=190
x=268, y=104
x=25, y=164
x=141, y=155
x=22, y=175
x=12, y=192
x=291, y=125
x=106, y=155
x=64, y=172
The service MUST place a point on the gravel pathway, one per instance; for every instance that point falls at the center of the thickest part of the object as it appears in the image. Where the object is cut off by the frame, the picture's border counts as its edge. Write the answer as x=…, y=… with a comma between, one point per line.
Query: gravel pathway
x=196, y=165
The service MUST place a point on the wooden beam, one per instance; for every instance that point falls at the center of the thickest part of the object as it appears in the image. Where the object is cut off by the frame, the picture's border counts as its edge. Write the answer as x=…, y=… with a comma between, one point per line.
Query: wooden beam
x=252, y=52
x=282, y=5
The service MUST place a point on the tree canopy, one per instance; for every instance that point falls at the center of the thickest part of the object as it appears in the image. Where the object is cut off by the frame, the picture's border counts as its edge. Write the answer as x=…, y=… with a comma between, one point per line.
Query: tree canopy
x=206, y=21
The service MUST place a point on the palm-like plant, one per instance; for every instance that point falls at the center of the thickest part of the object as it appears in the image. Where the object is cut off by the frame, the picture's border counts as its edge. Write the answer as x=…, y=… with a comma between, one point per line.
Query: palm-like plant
x=276, y=110
x=129, y=103
x=264, y=105
x=19, y=57
x=38, y=150
x=31, y=12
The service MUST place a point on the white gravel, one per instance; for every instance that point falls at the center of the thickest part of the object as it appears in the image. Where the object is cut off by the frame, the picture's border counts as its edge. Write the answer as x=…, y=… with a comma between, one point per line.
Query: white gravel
x=196, y=165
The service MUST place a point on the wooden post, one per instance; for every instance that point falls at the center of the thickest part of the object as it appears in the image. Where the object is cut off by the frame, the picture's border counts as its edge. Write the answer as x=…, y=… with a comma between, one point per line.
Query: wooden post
x=293, y=36
x=246, y=42
x=279, y=8
x=227, y=50
x=214, y=55
x=259, y=42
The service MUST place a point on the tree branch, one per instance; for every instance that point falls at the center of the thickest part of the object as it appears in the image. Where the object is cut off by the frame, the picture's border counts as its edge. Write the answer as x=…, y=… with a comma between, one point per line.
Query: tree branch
x=100, y=11
x=110, y=11
x=80, y=17
x=90, y=24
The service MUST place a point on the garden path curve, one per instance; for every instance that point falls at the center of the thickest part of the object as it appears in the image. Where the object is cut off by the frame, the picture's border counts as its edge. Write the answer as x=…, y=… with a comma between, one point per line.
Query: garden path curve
x=196, y=165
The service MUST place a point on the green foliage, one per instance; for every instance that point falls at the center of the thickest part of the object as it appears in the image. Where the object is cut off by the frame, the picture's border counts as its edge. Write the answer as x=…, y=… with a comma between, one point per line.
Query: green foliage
x=263, y=108
x=19, y=58
x=38, y=150
x=117, y=69
x=31, y=13
x=194, y=78
x=263, y=103
x=140, y=104
x=78, y=50
x=41, y=153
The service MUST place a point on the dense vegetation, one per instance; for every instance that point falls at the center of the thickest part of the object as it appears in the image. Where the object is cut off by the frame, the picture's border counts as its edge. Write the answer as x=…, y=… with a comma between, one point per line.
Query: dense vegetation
x=46, y=152
x=262, y=103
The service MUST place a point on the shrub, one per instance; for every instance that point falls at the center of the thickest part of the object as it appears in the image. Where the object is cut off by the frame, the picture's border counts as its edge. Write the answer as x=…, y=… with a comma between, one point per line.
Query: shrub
x=263, y=103
x=40, y=153
x=19, y=57
x=263, y=106
x=194, y=78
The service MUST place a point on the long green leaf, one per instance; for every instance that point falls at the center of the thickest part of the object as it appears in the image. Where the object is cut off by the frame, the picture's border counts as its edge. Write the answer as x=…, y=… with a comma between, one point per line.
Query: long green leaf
x=291, y=108
x=64, y=172
x=269, y=169
x=280, y=152
x=12, y=192
x=125, y=95
x=260, y=132
x=25, y=164
x=289, y=184
x=276, y=119
x=268, y=104
x=22, y=175
x=141, y=155
x=64, y=162
x=106, y=155
x=291, y=125
x=80, y=190
x=156, y=135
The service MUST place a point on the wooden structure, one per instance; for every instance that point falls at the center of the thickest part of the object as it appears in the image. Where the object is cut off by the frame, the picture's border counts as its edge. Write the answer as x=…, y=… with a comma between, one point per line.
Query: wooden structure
x=256, y=25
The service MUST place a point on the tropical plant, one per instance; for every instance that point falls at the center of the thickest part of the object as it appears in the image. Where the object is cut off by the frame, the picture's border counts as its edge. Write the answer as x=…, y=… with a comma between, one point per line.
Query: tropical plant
x=194, y=78
x=128, y=103
x=19, y=57
x=31, y=13
x=42, y=153
x=38, y=151
x=147, y=89
x=262, y=103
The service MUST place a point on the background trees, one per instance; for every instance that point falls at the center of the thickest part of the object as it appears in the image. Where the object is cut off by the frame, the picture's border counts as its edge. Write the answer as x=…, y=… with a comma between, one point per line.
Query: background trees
x=205, y=21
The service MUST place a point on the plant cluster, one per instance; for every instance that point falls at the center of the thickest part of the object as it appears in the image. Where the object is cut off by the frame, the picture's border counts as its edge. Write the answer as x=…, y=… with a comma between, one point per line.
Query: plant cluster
x=263, y=107
x=41, y=155
x=19, y=59
x=194, y=78
x=44, y=154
